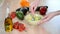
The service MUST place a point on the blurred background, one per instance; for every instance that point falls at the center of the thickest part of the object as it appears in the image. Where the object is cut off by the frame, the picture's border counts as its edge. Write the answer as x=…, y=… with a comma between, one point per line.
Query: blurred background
x=53, y=26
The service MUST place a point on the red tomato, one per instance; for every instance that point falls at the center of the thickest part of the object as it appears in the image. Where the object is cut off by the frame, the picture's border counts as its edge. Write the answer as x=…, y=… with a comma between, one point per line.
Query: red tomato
x=15, y=26
x=13, y=15
x=21, y=27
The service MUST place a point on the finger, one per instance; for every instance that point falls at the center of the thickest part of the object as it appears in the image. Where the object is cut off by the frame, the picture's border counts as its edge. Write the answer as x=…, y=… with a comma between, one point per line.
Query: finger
x=36, y=4
x=43, y=20
x=40, y=22
x=31, y=6
x=47, y=19
x=35, y=8
x=32, y=10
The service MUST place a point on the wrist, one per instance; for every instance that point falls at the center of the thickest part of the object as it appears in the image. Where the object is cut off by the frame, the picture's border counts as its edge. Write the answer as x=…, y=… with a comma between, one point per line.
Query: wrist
x=57, y=13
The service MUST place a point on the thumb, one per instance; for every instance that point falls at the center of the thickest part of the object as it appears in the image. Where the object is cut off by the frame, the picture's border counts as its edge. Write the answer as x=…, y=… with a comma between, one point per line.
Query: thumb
x=45, y=17
x=40, y=22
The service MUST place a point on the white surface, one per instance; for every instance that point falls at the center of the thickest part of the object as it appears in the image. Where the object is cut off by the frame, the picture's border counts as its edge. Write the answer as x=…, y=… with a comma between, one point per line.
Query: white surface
x=52, y=26
x=1, y=2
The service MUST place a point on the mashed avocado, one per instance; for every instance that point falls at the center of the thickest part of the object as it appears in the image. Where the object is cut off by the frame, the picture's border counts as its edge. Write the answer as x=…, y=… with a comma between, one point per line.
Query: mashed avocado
x=30, y=20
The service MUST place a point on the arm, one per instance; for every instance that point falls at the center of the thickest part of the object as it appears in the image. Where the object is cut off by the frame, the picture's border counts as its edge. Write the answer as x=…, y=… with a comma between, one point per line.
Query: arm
x=49, y=16
x=57, y=13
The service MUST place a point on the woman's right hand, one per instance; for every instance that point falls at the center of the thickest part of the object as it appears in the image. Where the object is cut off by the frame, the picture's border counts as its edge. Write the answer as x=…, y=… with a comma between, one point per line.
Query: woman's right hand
x=33, y=6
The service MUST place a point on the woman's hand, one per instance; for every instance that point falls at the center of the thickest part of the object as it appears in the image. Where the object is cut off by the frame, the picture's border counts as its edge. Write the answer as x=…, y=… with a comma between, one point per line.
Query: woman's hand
x=47, y=17
x=33, y=6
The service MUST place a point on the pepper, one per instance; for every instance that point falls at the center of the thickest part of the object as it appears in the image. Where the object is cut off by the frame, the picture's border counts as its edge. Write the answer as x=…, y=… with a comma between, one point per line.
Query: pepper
x=24, y=3
x=20, y=15
x=43, y=10
x=8, y=24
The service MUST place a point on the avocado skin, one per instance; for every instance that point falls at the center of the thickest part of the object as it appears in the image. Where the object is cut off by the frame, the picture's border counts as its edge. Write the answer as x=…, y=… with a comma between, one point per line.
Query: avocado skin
x=20, y=15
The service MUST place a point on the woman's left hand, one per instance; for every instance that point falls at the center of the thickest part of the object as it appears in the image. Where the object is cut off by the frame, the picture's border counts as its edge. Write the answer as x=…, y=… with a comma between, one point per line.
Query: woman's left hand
x=47, y=17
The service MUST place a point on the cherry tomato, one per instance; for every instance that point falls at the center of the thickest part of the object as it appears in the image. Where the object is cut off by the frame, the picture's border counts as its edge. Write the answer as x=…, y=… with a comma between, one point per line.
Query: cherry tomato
x=15, y=26
x=21, y=27
x=13, y=15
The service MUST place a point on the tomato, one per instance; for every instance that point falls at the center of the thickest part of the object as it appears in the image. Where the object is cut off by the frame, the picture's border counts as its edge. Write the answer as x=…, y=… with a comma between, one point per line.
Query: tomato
x=13, y=15
x=21, y=27
x=15, y=26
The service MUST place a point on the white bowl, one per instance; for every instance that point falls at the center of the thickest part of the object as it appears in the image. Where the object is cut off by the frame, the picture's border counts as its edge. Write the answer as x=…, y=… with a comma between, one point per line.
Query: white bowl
x=33, y=21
